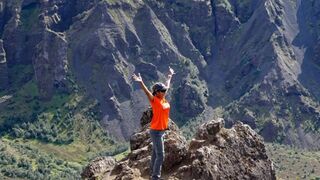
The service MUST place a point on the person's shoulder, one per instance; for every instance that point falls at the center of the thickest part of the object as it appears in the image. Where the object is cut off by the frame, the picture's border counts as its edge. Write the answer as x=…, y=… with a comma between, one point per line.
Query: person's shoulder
x=156, y=99
x=153, y=99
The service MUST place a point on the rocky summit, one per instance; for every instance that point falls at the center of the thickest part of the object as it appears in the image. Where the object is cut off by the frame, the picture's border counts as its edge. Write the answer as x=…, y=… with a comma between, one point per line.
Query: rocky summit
x=214, y=153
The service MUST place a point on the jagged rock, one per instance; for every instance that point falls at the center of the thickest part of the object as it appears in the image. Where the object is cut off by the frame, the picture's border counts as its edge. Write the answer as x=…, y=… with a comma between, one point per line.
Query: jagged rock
x=98, y=166
x=244, y=9
x=270, y=131
x=146, y=117
x=215, y=153
x=148, y=70
x=140, y=139
x=13, y=36
x=3, y=68
x=2, y=53
x=3, y=16
x=208, y=131
x=236, y=153
x=243, y=53
x=191, y=96
x=316, y=57
x=195, y=39
x=50, y=62
x=225, y=20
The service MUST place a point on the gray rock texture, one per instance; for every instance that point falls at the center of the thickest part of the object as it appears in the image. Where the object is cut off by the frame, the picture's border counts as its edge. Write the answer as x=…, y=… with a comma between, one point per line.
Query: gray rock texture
x=214, y=153
x=3, y=68
x=98, y=167
x=258, y=60
x=50, y=62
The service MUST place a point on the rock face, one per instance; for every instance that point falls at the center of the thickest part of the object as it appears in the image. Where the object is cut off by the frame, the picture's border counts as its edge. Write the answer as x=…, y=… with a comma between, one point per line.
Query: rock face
x=218, y=153
x=97, y=167
x=3, y=68
x=188, y=97
x=258, y=59
x=50, y=62
x=214, y=153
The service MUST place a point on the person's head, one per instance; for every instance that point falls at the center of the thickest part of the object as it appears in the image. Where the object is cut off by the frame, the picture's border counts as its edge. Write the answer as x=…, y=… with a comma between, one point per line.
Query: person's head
x=159, y=90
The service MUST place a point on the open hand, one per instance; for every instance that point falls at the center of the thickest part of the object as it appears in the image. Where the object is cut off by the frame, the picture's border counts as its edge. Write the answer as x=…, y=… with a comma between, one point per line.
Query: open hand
x=171, y=72
x=137, y=78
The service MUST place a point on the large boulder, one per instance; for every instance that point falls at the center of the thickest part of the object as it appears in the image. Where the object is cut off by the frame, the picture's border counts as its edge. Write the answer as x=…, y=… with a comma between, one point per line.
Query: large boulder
x=236, y=153
x=98, y=166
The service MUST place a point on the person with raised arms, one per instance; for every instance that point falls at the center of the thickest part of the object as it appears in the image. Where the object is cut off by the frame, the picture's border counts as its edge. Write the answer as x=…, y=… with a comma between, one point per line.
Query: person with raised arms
x=160, y=120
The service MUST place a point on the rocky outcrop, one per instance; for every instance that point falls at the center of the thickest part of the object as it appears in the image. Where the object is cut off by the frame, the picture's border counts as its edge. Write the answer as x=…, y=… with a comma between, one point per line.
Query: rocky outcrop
x=3, y=68
x=218, y=153
x=191, y=96
x=98, y=167
x=13, y=35
x=214, y=153
x=50, y=62
x=3, y=16
x=225, y=19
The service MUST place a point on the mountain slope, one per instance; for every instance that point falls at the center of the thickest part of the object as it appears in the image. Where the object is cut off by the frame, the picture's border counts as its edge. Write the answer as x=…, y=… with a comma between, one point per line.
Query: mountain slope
x=256, y=60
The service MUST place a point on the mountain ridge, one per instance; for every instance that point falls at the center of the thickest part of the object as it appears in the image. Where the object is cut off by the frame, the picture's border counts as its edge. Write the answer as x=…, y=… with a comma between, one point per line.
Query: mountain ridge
x=245, y=57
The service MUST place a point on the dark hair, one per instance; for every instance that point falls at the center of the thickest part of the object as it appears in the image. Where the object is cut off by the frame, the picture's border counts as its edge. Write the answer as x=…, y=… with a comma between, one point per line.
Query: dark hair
x=158, y=87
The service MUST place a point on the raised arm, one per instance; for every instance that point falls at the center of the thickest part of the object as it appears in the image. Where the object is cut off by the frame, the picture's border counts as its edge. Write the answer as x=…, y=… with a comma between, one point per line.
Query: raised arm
x=171, y=73
x=143, y=86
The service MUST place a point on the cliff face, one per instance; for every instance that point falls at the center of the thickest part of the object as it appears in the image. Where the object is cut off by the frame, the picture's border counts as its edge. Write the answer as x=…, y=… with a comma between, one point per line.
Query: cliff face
x=258, y=59
x=3, y=68
x=282, y=97
x=214, y=153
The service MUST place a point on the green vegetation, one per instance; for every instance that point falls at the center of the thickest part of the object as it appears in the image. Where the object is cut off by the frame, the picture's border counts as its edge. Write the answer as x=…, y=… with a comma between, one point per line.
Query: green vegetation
x=182, y=6
x=293, y=163
x=122, y=155
x=30, y=16
x=20, y=74
x=18, y=159
x=114, y=2
x=20, y=106
x=50, y=139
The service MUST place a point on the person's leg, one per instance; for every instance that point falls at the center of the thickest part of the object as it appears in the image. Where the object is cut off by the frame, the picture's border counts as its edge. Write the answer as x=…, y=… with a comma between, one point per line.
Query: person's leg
x=157, y=140
x=153, y=156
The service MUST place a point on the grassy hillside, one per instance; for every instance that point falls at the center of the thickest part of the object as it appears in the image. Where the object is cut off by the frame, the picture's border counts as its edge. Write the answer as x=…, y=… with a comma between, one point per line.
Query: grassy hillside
x=53, y=138
x=22, y=159
x=292, y=163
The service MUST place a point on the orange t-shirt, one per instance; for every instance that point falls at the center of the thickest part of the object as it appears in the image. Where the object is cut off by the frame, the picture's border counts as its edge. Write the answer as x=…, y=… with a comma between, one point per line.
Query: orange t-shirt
x=160, y=118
